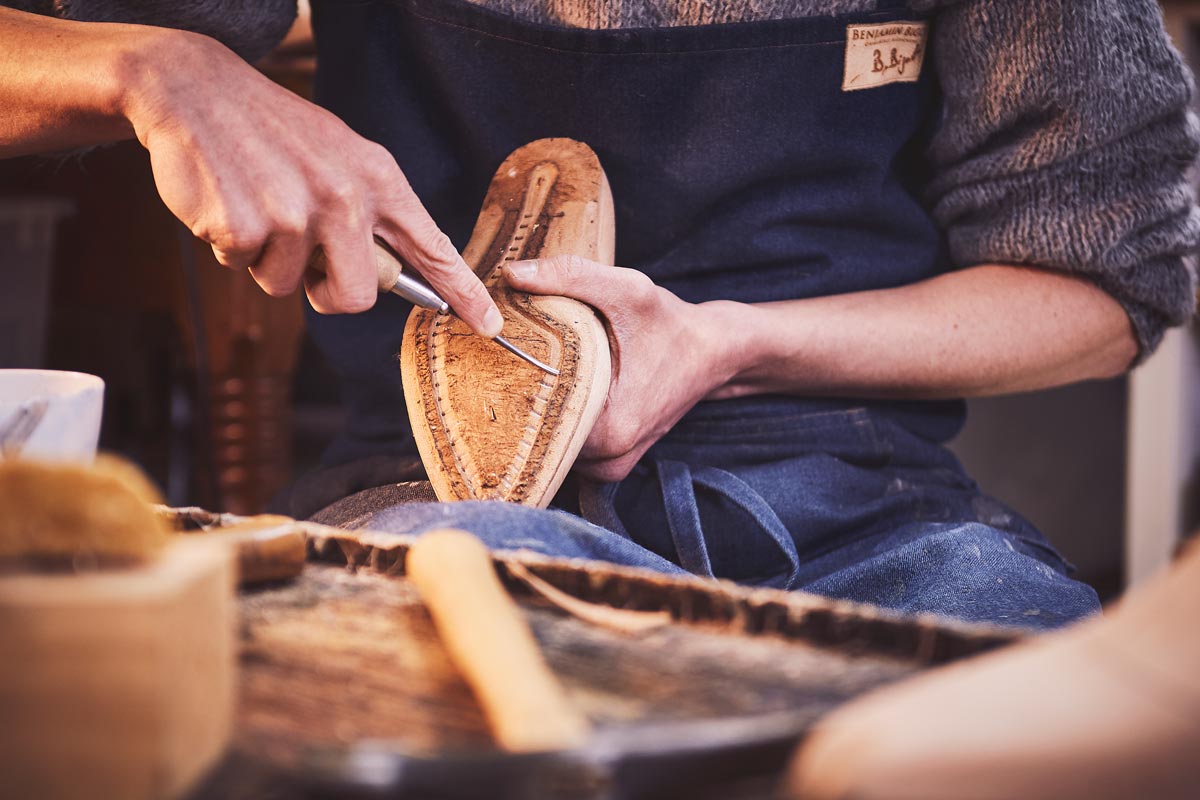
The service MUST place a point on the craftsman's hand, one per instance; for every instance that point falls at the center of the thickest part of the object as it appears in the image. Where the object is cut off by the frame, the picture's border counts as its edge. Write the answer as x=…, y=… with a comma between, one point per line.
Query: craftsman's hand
x=266, y=178
x=667, y=355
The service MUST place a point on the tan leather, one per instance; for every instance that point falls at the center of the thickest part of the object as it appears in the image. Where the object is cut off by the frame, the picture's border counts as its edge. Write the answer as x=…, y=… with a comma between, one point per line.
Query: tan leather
x=1109, y=709
x=489, y=425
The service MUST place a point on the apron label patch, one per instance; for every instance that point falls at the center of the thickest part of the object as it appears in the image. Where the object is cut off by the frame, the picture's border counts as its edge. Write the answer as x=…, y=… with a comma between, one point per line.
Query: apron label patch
x=876, y=55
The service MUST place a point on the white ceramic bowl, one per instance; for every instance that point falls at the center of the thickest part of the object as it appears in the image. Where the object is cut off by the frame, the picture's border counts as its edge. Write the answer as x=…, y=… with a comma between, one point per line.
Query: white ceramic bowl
x=50, y=415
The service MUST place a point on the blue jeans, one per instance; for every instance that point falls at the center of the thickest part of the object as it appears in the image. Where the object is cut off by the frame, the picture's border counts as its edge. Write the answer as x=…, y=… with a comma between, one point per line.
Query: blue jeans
x=847, y=503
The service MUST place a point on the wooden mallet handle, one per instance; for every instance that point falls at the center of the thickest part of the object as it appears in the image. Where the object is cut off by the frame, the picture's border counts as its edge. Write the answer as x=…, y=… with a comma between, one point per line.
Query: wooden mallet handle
x=491, y=644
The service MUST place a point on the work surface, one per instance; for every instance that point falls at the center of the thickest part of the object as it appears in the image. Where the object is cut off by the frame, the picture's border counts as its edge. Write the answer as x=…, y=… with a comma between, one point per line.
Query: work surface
x=346, y=655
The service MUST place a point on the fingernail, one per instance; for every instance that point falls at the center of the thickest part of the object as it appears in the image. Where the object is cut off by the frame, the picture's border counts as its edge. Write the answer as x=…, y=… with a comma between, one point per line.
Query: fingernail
x=493, y=323
x=523, y=270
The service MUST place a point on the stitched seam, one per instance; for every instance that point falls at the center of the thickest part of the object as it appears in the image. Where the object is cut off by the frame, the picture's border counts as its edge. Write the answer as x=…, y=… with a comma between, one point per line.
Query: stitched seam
x=462, y=461
x=582, y=51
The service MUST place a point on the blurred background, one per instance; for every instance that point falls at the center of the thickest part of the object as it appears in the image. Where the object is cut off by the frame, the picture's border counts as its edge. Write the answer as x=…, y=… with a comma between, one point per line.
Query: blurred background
x=216, y=390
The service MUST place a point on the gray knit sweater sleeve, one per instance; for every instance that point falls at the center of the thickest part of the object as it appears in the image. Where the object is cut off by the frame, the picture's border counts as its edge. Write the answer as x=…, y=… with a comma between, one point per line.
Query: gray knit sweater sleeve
x=248, y=27
x=1066, y=142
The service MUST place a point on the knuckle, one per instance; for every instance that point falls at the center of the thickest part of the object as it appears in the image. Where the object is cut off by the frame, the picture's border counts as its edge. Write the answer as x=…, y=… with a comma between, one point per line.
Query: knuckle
x=469, y=287
x=626, y=440
x=473, y=299
x=641, y=289
x=441, y=250
x=618, y=439
x=339, y=190
x=213, y=228
x=641, y=281
x=243, y=240
x=378, y=160
x=242, y=236
x=292, y=222
x=202, y=230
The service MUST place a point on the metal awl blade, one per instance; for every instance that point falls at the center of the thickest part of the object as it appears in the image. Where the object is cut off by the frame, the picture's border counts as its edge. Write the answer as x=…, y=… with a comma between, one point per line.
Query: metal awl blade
x=418, y=293
x=516, y=351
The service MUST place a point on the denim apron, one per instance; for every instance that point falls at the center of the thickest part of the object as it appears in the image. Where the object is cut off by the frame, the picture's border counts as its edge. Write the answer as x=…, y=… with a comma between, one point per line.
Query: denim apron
x=740, y=170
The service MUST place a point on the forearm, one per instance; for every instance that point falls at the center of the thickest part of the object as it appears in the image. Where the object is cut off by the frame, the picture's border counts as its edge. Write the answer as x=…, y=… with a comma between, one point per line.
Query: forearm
x=1053, y=150
x=980, y=331
x=264, y=176
x=66, y=84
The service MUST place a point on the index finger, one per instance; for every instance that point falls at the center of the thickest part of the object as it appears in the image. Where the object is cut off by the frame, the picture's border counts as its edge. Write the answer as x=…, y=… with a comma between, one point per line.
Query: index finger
x=412, y=233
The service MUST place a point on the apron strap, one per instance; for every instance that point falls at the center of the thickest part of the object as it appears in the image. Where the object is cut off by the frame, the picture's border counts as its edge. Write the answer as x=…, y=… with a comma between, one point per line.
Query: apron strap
x=678, y=482
x=683, y=517
x=597, y=504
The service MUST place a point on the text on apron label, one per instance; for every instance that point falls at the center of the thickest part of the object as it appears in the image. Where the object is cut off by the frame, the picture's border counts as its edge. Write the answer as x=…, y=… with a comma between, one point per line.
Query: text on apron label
x=876, y=55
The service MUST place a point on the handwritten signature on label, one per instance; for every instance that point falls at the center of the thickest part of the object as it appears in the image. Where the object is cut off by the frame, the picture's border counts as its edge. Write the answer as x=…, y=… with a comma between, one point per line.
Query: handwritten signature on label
x=877, y=55
x=897, y=61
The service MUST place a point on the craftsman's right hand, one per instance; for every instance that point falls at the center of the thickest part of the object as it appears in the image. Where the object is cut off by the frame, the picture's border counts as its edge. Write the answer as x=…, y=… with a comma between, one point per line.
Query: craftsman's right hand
x=266, y=177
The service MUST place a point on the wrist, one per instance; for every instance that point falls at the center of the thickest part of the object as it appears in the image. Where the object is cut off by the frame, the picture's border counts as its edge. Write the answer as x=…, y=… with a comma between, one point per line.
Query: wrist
x=152, y=70
x=71, y=84
x=730, y=335
x=767, y=346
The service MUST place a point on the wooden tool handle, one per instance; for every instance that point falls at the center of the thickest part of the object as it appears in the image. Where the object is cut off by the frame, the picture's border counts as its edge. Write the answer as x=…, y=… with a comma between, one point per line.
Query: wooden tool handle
x=387, y=266
x=490, y=643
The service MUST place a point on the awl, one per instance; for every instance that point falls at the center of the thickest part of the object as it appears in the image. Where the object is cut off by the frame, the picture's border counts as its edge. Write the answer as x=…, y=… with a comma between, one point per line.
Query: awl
x=393, y=278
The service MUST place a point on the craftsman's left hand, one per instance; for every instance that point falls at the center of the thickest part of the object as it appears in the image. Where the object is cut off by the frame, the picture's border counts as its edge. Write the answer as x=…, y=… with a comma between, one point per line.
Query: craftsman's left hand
x=666, y=355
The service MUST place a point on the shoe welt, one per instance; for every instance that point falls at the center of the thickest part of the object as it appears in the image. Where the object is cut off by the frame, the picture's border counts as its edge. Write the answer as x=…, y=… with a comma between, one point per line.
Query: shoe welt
x=488, y=425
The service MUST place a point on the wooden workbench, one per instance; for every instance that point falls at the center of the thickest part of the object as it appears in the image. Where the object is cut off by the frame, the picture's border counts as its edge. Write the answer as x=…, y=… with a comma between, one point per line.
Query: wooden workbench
x=346, y=654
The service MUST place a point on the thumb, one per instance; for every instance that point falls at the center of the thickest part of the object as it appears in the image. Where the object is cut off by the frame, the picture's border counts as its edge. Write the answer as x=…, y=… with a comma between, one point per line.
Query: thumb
x=572, y=276
x=606, y=288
